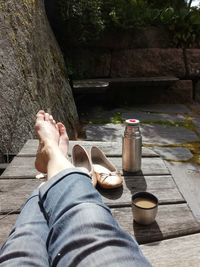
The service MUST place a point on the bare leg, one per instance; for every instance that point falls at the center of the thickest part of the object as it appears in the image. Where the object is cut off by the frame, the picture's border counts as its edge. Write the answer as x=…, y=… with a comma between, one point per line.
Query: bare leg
x=82, y=231
x=50, y=156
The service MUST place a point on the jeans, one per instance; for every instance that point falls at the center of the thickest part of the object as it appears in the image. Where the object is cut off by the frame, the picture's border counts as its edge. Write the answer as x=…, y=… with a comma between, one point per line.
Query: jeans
x=65, y=223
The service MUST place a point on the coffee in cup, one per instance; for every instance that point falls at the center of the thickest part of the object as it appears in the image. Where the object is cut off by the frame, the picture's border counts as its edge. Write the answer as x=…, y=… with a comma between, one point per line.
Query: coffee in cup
x=144, y=207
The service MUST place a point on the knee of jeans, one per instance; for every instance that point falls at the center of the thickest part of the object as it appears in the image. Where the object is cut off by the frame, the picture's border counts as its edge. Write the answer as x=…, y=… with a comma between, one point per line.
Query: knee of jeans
x=93, y=212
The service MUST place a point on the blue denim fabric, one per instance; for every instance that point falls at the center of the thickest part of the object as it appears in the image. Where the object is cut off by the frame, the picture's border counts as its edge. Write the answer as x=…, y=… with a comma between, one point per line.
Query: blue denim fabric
x=26, y=244
x=67, y=224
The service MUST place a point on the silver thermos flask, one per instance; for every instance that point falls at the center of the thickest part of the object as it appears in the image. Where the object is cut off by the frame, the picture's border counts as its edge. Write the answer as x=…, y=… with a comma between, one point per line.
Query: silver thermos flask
x=132, y=146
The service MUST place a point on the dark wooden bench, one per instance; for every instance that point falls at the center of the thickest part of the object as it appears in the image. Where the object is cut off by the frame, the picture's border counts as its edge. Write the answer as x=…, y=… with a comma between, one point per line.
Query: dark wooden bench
x=101, y=85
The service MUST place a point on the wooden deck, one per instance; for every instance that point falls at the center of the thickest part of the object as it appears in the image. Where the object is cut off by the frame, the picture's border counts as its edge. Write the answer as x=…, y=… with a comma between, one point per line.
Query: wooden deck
x=173, y=240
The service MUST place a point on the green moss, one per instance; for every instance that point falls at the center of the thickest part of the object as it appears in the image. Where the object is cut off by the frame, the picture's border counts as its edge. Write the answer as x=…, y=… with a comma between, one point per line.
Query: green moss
x=117, y=118
x=196, y=159
x=194, y=148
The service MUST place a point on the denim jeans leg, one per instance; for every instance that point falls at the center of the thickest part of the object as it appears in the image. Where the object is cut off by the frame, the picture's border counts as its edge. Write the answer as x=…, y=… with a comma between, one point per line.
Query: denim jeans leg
x=83, y=231
x=26, y=244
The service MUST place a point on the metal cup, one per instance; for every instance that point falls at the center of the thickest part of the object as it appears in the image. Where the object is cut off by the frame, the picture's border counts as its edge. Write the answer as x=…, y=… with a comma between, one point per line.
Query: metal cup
x=141, y=214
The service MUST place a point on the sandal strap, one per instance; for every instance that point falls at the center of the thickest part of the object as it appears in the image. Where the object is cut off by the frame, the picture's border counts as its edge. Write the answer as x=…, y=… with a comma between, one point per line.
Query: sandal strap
x=104, y=176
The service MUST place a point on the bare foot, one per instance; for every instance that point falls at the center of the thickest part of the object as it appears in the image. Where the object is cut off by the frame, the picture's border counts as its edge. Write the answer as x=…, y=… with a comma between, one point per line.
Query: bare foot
x=48, y=134
x=51, y=158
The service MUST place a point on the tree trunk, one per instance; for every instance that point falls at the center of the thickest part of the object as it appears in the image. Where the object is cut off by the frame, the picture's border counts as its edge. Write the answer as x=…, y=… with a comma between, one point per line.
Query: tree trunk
x=32, y=74
x=189, y=4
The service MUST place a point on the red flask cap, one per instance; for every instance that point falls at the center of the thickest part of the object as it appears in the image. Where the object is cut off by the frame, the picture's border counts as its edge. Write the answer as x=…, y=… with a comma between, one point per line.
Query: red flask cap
x=132, y=122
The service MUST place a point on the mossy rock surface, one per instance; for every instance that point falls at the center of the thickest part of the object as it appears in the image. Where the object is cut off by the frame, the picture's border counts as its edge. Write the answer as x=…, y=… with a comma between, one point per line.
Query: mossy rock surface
x=32, y=72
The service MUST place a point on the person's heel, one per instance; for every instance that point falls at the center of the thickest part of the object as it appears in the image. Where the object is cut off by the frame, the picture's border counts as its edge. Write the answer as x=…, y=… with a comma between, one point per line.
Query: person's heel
x=106, y=173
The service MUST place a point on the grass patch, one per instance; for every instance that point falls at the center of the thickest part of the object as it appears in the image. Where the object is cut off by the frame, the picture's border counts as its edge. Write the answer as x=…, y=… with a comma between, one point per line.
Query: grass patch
x=115, y=119
x=194, y=147
x=196, y=159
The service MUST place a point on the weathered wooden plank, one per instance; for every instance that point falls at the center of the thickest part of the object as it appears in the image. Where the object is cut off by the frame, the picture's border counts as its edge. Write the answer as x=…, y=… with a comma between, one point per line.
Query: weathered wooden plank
x=177, y=252
x=20, y=167
x=150, y=166
x=110, y=148
x=187, y=177
x=162, y=186
x=13, y=193
x=23, y=167
x=171, y=221
x=6, y=223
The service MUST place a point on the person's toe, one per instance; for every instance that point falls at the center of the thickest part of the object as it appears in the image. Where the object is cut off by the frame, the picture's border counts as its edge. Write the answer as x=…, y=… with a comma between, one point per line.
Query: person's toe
x=40, y=115
x=46, y=117
x=51, y=119
x=62, y=131
x=63, y=140
x=39, y=118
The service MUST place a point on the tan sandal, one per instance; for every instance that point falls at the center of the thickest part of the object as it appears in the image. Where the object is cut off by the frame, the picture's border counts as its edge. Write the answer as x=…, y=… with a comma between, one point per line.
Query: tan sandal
x=107, y=175
x=81, y=160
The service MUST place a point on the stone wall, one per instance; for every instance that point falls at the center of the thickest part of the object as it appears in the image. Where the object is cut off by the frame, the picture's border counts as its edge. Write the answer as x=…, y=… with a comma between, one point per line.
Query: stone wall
x=148, y=62
x=142, y=62
x=139, y=54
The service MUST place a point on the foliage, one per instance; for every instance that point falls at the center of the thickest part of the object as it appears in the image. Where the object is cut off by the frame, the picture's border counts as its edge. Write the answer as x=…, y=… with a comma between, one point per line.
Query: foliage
x=117, y=118
x=184, y=27
x=128, y=14
x=83, y=21
x=175, y=4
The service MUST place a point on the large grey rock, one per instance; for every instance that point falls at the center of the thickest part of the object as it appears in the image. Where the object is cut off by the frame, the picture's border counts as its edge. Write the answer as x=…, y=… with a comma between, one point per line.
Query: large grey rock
x=165, y=108
x=174, y=153
x=104, y=132
x=152, y=117
x=32, y=74
x=148, y=62
x=165, y=135
x=100, y=115
x=152, y=134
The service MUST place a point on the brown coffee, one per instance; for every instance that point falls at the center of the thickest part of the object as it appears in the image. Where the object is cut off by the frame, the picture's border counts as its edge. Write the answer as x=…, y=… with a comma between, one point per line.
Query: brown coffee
x=144, y=203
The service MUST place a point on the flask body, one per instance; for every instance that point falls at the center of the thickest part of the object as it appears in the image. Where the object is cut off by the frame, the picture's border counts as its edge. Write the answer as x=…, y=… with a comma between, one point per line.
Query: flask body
x=132, y=148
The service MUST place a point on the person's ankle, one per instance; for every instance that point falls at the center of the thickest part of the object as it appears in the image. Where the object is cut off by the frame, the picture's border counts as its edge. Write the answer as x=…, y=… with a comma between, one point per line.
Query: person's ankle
x=52, y=150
